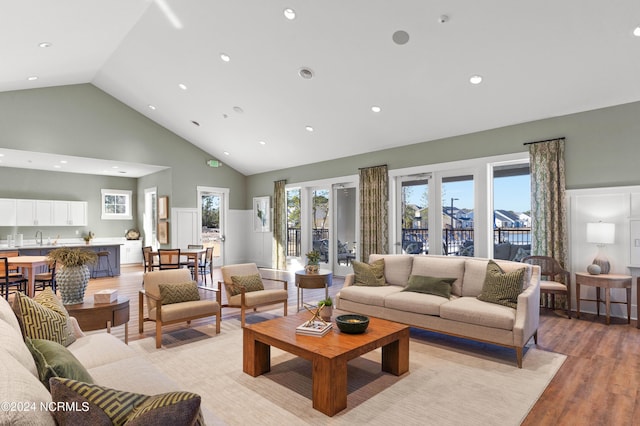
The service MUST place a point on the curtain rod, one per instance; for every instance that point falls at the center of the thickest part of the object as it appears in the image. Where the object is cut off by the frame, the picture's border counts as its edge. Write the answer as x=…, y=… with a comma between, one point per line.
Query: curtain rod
x=371, y=167
x=546, y=140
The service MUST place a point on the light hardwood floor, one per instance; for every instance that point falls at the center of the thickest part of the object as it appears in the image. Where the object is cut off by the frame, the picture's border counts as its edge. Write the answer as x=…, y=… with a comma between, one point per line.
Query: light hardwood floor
x=599, y=383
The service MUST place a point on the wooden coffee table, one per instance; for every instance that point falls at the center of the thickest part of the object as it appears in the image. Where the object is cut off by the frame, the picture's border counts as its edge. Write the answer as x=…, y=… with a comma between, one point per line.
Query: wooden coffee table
x=329, y=354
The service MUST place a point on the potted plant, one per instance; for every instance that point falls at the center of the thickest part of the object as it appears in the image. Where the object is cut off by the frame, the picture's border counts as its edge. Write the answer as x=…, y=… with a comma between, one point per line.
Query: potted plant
x=327, y=309
x=313, y=262
x=72, y=272
x=88, y=237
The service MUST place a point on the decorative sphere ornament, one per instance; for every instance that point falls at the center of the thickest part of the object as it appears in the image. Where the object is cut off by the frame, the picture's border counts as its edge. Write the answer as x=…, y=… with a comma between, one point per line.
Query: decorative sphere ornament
x=594, y=269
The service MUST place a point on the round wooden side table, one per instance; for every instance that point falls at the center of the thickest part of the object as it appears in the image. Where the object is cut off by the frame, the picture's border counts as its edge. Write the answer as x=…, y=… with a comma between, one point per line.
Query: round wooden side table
x=606, y=281
x=321, y=279
x=96, y=316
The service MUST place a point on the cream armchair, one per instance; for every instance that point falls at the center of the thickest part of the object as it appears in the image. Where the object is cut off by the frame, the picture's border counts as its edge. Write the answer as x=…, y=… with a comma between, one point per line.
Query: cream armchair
x=171, y=298
x=246, y=297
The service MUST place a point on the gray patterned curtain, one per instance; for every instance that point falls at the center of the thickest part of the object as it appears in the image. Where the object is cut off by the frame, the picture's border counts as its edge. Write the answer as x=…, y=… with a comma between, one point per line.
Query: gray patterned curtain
x=374, y=211
x=279, y=225
x=548, y=206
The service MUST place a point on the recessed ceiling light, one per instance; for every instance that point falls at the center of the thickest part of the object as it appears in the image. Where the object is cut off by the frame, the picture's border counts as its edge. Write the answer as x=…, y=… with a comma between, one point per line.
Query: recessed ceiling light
x=290, y=14
x=225, y=57
x=182, y=86
x=400, y=37
x=152, y=107
x=63, y=161
x=32, y=78
x=262, y=142
x=115, y=167
x=305, y=73
x=475, y=79
x=226, y=153
x=45, y=44
x=309, y=128
x=57, y=166
x=238, y=109
x=376, y=108
x=1, y=155
x=195, y=123
x=636, y=31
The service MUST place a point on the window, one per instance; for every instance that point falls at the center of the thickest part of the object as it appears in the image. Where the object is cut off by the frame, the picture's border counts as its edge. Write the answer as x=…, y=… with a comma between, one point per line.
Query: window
x=116, y=204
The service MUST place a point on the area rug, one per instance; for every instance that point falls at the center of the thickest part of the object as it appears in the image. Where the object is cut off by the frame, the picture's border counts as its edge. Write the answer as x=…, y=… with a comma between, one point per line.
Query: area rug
x=450, y=382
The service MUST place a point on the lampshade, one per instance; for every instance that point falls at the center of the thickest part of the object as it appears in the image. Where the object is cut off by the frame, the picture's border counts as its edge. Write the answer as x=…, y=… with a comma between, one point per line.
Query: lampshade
x=601, y=233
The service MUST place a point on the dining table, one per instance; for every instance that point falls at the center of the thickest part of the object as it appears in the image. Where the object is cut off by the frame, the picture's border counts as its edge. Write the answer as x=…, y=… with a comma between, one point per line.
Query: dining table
x=28, y=264
x=192, y=254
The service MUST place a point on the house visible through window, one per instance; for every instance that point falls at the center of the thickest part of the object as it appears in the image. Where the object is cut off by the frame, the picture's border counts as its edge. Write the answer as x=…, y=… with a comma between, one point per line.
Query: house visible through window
x=116, y=204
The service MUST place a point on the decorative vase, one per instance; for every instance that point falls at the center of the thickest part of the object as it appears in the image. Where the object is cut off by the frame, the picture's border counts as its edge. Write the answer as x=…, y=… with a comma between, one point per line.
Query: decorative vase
x=594, y=269
x=72, y=283
x=326, y=313
x=312, y=269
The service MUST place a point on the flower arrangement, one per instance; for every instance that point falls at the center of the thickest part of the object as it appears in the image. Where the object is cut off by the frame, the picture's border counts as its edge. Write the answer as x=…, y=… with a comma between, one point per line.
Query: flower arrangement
x=88, y=237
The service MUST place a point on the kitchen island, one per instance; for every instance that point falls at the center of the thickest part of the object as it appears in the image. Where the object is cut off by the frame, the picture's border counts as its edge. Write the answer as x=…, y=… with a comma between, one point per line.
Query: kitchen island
x=42, y=250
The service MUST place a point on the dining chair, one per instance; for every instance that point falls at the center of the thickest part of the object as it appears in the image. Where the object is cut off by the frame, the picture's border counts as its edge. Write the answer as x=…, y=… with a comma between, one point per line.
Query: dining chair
x=189, y=263
x=47, y=278
x=169, y=259
x=149, y=261
x=206, y=264
x=13, y=253
x=10, y=279
x=555, y=280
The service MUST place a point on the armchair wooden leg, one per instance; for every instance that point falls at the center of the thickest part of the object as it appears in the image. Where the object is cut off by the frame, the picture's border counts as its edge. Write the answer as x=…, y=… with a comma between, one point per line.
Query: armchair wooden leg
x=218, y=315
x=242, y=315
x=285, y=308
x=519, y=356
x=140, y=314
x=158, y=334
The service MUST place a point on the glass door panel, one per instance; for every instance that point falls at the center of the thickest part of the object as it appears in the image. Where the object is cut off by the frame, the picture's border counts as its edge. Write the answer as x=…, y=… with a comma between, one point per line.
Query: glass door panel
x=414, y=216
x=320, y=225
x=345, y=229
x=212, y=210
x=294, y=235
x=457, y=215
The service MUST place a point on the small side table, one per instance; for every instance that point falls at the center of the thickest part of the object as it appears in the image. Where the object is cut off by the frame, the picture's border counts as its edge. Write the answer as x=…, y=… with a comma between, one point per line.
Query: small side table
x=606, y=281
x=96, y=316
x=322, y=279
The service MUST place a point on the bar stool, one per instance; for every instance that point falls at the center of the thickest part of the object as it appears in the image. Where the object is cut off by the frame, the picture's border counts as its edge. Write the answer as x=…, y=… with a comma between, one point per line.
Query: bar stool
x=101, y=266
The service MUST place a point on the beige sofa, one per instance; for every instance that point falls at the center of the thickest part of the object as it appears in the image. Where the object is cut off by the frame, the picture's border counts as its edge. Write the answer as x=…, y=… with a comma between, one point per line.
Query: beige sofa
x=462, y=314
x=108, y=360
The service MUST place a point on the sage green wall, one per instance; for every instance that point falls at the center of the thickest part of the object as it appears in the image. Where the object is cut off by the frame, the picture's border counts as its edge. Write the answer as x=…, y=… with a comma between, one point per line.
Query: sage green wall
x=34, y=184
x=81, y=120
x=602, y=150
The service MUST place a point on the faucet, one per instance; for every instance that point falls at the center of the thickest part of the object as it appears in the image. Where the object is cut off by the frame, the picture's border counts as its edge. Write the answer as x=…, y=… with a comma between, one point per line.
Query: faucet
x=39, y=233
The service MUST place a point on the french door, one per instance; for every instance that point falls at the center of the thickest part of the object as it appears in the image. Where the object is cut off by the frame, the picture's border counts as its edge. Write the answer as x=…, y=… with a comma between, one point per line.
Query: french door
x=212, y=211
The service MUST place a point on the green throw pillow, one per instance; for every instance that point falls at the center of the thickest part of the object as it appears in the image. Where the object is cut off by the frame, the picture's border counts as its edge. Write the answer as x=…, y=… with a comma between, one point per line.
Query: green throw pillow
x=369, y=274
x=502, y=287
x=105, y=406
x=248, y=282
x=54, y=360
x=43, y=317
x=430, y=285
x=176, y=293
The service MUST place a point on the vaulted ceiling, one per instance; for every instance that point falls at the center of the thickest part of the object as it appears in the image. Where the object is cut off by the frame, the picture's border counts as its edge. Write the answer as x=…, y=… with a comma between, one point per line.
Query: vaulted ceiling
x=232, y=76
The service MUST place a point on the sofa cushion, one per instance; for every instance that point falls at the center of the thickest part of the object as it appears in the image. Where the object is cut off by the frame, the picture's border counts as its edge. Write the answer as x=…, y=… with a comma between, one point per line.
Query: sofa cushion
x=369, y=274
x=250, y=283
x=470, y=310
x=54, y=360
x=441, y=266
x=19, y=385
x=96, y=349
x=12, y=344
x=502, y=287
x=373, y=296
x=430, y=285
x=177, y=293
x=108, y=406
x=419, y=303
x=43, y=317
x=8, y=316
x=475, y=271
x=397, y=267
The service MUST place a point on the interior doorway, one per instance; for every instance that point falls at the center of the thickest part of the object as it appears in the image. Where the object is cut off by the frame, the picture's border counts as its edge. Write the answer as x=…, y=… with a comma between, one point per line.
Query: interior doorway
x=212, y=210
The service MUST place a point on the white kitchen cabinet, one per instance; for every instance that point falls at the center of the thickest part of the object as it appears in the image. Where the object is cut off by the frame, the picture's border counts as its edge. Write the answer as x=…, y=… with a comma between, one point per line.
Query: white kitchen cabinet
x=7, y=212
x=131, y=252
x=34, y=212
x=70, y=213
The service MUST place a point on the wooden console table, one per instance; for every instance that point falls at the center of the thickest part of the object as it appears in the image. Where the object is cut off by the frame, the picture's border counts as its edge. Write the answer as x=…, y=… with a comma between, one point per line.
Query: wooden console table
x=96, y=316
x=606, y=281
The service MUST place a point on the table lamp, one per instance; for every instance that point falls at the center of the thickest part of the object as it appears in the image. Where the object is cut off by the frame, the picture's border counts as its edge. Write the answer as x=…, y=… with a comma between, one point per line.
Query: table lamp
x=601, y=233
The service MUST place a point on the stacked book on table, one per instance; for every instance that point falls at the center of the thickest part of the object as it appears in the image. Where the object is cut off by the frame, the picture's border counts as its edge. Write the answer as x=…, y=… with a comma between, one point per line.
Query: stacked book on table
x=314, y=328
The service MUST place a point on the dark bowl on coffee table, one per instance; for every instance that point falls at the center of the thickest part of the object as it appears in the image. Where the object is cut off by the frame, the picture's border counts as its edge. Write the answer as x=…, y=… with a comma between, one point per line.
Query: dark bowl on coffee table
x=352, y=323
